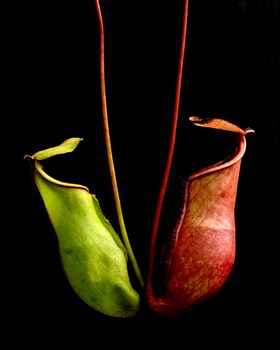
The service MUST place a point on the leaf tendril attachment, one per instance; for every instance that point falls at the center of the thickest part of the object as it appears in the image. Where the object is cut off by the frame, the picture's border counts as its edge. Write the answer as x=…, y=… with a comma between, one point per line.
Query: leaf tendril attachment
x=109, y=150
x=168, y=164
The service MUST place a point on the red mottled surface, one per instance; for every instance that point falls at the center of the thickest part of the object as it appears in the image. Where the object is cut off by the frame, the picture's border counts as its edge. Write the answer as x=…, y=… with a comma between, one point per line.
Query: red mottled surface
x=202, y=252
x=205, y=248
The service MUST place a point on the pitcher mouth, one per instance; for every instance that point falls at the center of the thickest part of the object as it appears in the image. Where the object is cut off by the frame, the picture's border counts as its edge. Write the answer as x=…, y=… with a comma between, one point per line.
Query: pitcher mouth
x=235, y=156
x=230, y=160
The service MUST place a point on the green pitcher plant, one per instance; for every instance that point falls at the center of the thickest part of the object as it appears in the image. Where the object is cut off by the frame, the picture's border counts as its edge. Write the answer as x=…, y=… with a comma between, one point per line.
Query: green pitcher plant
x=200, y=252
x=93, y=256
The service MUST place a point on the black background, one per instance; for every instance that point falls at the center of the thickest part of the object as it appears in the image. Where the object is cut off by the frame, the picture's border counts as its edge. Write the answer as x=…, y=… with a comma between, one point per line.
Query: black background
x=231, y=71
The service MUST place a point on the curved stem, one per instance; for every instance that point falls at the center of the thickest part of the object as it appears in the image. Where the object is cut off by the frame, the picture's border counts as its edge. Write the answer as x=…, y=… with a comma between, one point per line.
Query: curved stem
x=109, y=150
x=171, y=145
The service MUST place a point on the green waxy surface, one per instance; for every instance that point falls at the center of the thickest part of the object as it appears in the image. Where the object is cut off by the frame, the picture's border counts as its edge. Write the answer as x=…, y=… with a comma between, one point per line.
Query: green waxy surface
x=93, y=256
